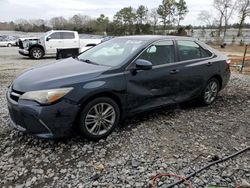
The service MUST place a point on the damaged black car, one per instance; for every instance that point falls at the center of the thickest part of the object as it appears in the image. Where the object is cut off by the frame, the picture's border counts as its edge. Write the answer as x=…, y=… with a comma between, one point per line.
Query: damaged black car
x=90, y=94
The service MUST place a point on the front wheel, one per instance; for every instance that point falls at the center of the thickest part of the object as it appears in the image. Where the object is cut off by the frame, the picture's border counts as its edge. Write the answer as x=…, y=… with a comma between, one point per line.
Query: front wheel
x=210, y=92
x=9, y=45
x=99, y=118
x=36, y=53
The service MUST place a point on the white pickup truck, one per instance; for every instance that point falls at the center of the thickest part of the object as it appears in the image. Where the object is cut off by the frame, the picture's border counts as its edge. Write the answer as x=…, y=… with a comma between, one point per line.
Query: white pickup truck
x=51, y=41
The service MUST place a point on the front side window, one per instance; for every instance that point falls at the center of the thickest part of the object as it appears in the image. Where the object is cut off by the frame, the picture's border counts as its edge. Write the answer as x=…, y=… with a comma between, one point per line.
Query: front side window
x=159, y=53
x=189, y=50
x=68, y=35
x=55, y=35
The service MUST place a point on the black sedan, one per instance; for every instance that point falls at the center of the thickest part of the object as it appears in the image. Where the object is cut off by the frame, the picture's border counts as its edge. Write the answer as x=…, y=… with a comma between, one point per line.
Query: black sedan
x=92, y=93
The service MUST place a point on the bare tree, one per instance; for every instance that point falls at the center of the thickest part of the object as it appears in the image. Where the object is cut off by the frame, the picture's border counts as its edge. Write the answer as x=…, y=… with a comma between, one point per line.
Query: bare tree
x=205, y=17
x=23, y=25
x=225, y=9
x=244, y=11
x=7, y=26
x=229, y=9
x=76, y=21
x=154, y=18
x=58, y=22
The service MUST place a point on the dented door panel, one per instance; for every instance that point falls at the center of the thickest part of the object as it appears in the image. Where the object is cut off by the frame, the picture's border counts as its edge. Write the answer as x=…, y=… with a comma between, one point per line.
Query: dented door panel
x=151, y=88
x=192, y=78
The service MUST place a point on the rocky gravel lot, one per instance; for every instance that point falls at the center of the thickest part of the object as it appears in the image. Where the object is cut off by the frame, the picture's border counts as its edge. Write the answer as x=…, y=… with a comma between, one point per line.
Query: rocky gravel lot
x=177, y=139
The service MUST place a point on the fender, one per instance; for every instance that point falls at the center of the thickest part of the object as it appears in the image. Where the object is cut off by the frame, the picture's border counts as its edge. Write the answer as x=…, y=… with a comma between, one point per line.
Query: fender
x=36, y=45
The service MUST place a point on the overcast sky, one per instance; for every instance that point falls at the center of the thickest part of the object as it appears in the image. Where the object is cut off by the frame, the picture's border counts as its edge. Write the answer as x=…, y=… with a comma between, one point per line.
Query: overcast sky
x=45, y=9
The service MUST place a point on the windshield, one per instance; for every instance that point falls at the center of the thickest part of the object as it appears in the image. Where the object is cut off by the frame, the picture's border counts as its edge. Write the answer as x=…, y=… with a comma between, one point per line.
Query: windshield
x=113, y=52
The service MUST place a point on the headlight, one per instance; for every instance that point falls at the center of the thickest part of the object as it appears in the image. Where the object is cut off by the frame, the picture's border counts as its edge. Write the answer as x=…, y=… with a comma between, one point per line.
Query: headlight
x=46, y=96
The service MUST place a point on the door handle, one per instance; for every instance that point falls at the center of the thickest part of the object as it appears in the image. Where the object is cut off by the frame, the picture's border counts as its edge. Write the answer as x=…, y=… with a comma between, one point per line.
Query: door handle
x=174, y=71
x=209, y=63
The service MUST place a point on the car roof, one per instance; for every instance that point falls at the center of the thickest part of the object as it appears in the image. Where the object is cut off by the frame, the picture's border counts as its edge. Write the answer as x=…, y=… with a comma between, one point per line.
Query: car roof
x=157, y=37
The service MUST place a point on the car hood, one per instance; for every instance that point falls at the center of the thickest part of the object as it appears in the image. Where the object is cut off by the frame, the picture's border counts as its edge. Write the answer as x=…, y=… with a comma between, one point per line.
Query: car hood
x=55, y=75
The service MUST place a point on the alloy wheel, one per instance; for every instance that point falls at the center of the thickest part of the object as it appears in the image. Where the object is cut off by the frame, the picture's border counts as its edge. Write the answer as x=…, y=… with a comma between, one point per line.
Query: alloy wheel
x=37, y=53
x=100, y=119
x=211, y=92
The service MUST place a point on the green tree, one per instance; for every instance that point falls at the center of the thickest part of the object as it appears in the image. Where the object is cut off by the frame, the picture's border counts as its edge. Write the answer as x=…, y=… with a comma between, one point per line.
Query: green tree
x=154, y=18
x=102, y=23
x=167, y=11
x=181, y=11
x=125, y=18
x=141, y=16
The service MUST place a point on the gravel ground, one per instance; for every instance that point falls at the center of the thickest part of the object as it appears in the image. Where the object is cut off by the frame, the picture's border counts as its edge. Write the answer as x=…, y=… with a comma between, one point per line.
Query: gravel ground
x=176, y=140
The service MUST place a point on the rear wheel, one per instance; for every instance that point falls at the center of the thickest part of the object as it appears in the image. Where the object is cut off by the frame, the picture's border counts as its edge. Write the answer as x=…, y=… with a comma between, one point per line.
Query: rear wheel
x=210, y=92
x=99, y=118
x=9, y=45
x=36, y=53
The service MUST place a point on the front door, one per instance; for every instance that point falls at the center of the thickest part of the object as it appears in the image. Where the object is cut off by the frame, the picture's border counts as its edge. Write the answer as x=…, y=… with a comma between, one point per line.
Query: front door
x=55, y=42
x=155, y=87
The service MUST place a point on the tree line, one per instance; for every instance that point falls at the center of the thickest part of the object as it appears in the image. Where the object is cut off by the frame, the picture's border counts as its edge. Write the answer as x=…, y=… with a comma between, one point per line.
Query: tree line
x=141, y=20
x=225, y=10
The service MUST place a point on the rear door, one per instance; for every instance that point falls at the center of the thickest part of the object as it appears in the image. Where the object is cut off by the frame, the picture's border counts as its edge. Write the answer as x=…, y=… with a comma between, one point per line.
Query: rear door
x=55, y=42
x=155, y=87
x=195, y=66
x=70, y=40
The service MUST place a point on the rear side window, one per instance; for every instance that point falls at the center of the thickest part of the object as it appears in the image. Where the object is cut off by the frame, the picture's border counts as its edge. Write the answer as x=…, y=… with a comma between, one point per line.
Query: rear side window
x=56, y=35
x=159, y=53
x=68, y=35
x=189, y=50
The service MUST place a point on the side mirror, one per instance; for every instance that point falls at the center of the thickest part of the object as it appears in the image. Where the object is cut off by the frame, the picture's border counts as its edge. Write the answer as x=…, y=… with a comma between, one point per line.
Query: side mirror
x=48, y=38
x=142, y=64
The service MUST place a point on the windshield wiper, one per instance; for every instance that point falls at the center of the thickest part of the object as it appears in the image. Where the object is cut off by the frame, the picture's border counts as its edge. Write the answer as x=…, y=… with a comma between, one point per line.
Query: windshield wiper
x=88, y=61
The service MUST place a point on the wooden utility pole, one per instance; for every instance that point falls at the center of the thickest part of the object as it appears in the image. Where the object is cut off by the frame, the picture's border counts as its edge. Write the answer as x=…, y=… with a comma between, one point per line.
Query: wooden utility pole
x=243, y=61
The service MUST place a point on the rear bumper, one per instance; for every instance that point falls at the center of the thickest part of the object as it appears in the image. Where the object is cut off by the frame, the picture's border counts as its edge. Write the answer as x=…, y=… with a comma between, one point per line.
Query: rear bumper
x=53, y=121
x=23, y=52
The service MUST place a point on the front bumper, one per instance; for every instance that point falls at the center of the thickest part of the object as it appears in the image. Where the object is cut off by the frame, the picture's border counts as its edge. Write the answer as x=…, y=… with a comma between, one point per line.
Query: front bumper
x=23, y=52
x=53, y=121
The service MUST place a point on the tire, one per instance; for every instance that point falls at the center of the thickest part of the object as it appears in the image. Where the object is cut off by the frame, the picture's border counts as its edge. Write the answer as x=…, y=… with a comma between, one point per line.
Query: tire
x=210, y=91
x=94, y=125
x=36, y=53
x=9, y=45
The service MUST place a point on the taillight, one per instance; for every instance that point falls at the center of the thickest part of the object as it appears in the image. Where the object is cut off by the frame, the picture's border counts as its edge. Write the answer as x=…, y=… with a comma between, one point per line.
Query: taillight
x=228, y=61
